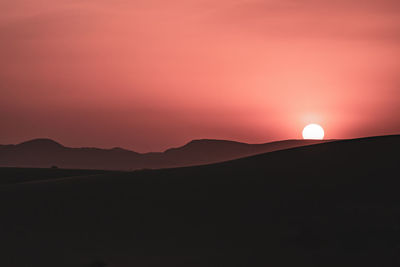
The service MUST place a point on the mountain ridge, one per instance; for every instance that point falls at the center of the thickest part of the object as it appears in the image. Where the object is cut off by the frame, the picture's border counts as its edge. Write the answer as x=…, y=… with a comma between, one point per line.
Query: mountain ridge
x=44, y=152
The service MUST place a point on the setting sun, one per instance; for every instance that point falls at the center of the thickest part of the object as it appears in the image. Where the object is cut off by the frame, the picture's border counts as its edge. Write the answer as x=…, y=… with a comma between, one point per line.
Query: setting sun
x=313, y=131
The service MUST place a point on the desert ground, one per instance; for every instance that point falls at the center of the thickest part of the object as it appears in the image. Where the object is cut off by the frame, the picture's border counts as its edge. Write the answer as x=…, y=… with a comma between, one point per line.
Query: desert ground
x=329, y=204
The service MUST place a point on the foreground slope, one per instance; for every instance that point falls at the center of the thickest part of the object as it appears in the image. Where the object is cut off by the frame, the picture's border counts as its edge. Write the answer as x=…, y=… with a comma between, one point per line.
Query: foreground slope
x=34, y=175
x=332, y=204
x=43, y=153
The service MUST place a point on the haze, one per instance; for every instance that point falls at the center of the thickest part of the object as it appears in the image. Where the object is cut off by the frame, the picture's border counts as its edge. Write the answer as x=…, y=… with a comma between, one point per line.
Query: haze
x=151, y=74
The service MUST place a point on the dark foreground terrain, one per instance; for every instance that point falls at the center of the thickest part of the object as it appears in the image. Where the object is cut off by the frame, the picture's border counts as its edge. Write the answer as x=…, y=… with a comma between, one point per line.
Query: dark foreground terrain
x=34, y=175
x=332, y=204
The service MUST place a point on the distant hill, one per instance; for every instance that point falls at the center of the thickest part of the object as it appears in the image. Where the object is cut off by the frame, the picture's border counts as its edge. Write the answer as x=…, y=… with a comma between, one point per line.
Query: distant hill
x=44, y=153
x=332, y=204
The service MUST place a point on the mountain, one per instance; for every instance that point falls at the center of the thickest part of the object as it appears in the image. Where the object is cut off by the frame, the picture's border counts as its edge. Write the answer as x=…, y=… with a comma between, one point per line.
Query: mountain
x=44, y=153
x=330, y=204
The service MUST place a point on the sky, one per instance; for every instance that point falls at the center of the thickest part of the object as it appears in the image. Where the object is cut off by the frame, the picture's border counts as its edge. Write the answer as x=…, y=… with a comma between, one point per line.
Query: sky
x=152, y=74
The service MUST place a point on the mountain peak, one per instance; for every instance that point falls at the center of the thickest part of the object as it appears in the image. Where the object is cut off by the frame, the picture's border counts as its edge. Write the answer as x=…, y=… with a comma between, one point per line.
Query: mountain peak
x=41, y=143
x=206, y=144
x=212, y=141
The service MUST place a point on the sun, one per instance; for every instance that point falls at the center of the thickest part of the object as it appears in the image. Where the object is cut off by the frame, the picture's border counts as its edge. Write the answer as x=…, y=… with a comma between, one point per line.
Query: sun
x=313, y=131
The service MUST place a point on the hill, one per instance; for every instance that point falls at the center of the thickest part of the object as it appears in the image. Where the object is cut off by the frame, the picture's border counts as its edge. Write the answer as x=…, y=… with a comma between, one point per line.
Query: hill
x=331, y=204
x=43, y=153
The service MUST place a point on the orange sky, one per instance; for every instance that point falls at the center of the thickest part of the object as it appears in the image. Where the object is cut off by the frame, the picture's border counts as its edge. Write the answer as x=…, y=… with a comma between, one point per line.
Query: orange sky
x=150, y=74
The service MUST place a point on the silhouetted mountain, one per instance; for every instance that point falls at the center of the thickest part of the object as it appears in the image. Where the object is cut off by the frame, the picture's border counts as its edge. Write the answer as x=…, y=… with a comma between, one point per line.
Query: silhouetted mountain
x=45, y=153
x=41, y=144
x=331, y=204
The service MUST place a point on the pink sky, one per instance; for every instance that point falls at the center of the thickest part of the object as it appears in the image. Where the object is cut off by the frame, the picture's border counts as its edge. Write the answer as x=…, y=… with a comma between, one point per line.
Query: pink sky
x=151, y=74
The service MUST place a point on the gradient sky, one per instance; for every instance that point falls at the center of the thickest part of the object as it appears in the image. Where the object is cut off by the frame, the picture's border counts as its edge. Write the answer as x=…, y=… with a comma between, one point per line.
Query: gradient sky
x=151, y=74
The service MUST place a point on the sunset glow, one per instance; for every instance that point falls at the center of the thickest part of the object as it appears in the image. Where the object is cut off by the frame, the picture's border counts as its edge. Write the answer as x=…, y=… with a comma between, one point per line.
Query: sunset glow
x=152, y=74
